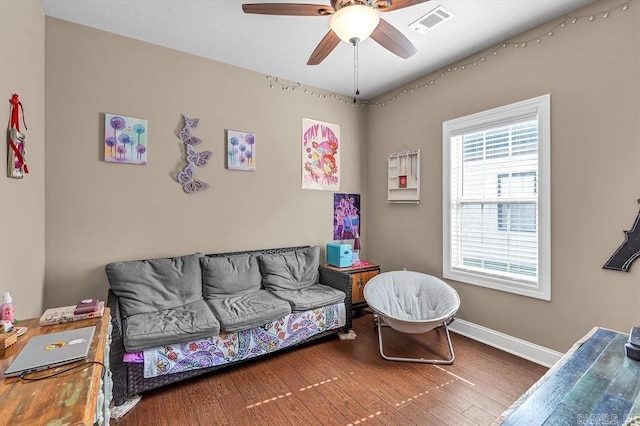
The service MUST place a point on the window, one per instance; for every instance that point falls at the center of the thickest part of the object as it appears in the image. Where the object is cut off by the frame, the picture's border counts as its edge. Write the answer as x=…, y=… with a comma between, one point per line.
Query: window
x=496, y=198
x=521, y=216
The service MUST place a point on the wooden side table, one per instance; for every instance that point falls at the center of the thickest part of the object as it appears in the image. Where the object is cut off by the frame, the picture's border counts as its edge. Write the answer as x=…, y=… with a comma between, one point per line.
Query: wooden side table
x=360, y=275
x=78, y=397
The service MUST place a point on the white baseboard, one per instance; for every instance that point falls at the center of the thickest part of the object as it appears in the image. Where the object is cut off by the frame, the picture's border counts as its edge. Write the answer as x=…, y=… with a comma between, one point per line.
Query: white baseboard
x=513, y=345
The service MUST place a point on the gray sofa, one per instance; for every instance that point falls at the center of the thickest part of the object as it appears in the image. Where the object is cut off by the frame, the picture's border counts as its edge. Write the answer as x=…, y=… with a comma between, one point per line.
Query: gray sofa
x=158, y=302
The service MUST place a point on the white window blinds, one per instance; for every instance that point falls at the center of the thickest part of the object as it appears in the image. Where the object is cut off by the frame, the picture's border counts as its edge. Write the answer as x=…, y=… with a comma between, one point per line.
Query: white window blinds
x=492, y=200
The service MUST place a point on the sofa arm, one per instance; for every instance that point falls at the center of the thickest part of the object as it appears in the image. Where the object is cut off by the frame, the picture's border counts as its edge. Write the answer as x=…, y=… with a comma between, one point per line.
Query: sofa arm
x=116, y=318
x=341, y=282
x=117, y=366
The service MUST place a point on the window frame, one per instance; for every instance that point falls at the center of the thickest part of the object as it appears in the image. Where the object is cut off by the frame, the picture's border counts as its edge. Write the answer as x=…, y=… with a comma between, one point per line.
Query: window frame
x=541, y=107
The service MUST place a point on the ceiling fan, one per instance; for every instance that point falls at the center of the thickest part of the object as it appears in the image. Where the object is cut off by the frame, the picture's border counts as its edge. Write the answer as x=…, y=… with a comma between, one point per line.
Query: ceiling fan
x=352, y=21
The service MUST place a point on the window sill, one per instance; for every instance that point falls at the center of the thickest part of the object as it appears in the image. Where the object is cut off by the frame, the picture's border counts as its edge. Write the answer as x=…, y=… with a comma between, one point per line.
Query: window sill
x=520, y=287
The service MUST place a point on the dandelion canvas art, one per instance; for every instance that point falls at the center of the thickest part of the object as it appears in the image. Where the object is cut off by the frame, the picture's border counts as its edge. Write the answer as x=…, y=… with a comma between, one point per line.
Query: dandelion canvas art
x=125, y=139
x=241, y=151
x=320, y=155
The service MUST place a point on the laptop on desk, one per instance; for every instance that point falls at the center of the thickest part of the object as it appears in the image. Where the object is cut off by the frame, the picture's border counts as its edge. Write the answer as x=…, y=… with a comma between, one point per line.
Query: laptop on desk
x=52, y=350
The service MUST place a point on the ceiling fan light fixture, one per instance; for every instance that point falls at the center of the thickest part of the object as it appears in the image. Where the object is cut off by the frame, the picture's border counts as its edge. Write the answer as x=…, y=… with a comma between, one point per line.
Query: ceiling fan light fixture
x=354, y=22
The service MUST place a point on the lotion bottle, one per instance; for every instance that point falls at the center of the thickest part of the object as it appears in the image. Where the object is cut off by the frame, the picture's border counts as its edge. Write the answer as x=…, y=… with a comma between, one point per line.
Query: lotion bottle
x=6, y=310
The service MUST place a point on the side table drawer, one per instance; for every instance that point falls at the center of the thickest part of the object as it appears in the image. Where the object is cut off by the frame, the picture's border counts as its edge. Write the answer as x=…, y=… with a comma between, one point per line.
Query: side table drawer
x=358, y=281
x=360, y=276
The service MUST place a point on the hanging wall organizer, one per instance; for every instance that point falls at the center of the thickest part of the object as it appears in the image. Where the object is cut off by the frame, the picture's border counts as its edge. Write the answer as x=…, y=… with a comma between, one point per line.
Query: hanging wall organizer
x=403, y=184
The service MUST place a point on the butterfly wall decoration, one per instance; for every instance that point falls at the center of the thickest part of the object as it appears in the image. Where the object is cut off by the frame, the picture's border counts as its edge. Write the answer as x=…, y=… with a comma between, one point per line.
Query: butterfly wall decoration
x=189, y=184
x=193, y=157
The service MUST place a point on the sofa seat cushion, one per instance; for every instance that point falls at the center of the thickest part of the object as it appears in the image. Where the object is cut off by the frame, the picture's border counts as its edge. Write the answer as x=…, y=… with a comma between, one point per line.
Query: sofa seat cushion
x=175, y=325
x=292, y=270
x=249, y=310
x=227, y=276
x=311, y=297
x=146, y=286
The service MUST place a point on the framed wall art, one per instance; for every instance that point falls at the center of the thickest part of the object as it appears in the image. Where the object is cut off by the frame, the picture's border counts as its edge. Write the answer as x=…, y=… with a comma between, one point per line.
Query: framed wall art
x=125, y=139
x=346, y=216
x=241, y=151
x=320, y=155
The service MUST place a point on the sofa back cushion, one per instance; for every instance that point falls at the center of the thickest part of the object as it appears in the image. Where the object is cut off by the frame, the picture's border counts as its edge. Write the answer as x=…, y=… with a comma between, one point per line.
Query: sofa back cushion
x=145, y=286
x=227, y=276
x=292, y=270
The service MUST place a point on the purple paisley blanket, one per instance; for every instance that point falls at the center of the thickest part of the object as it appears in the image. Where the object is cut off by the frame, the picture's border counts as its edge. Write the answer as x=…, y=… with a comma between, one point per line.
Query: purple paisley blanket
x=228, y=347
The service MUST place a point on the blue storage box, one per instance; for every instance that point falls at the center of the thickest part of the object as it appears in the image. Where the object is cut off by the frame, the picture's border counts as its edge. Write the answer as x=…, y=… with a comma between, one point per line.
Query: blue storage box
x=340, y=255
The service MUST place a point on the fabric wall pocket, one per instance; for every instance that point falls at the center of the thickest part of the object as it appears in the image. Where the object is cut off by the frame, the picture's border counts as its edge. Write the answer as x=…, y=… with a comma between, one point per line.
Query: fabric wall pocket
x=16, y=152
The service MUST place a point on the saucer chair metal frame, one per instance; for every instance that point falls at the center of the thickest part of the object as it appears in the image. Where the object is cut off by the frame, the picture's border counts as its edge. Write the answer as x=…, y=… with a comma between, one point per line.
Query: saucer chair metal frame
x=401, y=308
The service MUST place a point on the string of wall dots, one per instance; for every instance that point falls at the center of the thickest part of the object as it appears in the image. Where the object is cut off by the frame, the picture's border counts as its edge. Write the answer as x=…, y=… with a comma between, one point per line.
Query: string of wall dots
x=563, y=23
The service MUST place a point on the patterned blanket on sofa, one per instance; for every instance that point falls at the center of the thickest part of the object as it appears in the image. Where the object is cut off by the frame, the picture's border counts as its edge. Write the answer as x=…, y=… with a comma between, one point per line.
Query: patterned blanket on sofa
x=229, y=347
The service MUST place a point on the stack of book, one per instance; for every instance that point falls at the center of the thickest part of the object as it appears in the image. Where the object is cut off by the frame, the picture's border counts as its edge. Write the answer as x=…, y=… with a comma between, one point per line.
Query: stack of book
x=88, y=308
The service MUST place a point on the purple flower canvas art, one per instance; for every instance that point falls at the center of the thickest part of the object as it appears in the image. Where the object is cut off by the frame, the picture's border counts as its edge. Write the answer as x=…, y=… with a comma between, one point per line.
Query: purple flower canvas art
x=125, y=139
x=241, y=151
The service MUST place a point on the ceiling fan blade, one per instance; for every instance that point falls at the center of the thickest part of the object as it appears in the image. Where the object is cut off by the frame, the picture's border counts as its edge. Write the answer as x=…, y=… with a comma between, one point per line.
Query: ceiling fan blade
x=326, y=46
x=294, y=9
x=387, y=36
x=389, y=5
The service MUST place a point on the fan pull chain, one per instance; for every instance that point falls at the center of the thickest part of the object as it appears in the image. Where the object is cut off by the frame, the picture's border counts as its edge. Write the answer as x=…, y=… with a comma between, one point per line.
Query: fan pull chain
x=356, y=90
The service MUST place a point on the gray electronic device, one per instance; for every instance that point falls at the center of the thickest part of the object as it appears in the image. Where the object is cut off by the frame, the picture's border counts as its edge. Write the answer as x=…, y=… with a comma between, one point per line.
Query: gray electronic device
x=52, y=350
x=632, y=347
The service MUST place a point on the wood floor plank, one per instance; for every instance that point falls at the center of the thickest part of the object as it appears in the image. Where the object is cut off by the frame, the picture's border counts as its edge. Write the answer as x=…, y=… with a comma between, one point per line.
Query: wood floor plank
x=450, y=417
x=479, y=416
x=347, y=403
x=385, y=414
x=402, y=384
x=150, y=413
x=334, y=382
x=445, y=395
x=477, y=397
x=207, y=408
x=250, y=385
x=498, y=387
x=351, y=379
x=286, y=400
x=318, y=409
x=234, y=410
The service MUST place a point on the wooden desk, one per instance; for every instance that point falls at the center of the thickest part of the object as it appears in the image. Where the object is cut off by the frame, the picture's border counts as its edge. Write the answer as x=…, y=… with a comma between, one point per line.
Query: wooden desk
x=78, y=397
x=593, y=383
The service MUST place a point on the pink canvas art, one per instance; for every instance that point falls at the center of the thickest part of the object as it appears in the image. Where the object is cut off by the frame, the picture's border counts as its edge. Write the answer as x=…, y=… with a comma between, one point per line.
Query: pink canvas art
x=320, y=155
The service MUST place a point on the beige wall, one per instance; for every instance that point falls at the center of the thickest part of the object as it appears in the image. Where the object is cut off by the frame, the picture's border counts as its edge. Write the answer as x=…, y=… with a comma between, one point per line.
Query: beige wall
x=22, y=246
x=99, y=212
x=592, y=71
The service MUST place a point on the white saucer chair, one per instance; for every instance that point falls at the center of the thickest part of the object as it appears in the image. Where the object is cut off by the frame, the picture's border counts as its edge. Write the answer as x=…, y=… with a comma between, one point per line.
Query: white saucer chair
x=412, y=302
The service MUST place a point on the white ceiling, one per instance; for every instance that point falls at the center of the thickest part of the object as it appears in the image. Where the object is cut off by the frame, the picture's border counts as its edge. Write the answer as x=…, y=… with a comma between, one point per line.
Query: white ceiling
x=281, y=45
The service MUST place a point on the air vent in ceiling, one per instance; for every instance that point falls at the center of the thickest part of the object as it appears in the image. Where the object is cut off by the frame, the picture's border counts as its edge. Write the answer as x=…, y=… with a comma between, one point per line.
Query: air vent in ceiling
x=431, y=20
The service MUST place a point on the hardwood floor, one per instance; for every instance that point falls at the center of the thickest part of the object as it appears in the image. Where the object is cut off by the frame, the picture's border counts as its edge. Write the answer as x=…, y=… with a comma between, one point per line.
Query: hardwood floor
x=336, y=382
